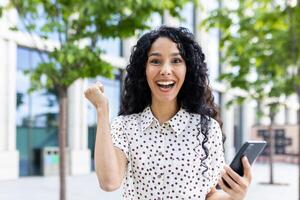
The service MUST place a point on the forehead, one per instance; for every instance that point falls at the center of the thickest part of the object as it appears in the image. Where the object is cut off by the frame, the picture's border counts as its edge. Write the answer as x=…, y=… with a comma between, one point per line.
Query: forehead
x=164, y=45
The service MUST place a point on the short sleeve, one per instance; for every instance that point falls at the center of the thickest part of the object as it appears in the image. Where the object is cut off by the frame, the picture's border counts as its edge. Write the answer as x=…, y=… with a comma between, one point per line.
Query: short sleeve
x=119, y=137
x=216, y=152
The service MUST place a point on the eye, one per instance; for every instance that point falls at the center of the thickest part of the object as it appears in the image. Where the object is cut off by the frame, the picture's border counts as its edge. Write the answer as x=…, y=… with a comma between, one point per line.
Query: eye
x=155, y=61
x=177, y=60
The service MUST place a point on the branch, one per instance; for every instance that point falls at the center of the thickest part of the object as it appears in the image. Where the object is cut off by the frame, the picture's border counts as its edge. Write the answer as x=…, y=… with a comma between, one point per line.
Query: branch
x=31, y=33
x=58, y=19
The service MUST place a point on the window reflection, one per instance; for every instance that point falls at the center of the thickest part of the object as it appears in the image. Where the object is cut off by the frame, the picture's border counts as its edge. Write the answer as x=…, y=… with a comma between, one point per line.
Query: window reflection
x=37, y=115
x=154, y=21
x=213, y=50
x=44, y=101
x=110, y=46
x=39, y=22
x=187, y=14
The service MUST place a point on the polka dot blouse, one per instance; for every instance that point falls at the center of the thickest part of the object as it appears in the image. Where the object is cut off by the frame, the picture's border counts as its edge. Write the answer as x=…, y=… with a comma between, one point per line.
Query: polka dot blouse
x=164, y=161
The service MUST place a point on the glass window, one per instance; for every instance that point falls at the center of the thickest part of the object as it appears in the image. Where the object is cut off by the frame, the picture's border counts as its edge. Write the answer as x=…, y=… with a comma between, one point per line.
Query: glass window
x=213, y=43
x=37, y=115
x=216, y=95
x=238, y=126
x=155, y=21
x=213, y=54
x=45, y=102
x=23, y=59
x=110, y=46
x=39, y=23
x=187, y=14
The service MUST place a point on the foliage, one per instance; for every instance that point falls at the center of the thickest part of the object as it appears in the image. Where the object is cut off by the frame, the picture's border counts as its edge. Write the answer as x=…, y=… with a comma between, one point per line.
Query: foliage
x=260, y=46
x=79, y=26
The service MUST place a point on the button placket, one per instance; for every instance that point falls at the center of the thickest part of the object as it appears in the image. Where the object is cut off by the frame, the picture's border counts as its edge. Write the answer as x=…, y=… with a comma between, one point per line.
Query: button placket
x=160, y=153
x=162, y=175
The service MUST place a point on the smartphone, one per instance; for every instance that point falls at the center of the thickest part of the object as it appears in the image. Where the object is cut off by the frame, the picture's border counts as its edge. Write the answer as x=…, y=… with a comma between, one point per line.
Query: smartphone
x=250, y=149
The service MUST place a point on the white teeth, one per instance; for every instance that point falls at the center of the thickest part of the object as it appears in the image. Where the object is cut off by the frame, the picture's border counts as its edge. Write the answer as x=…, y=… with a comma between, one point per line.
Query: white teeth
x=165, y=82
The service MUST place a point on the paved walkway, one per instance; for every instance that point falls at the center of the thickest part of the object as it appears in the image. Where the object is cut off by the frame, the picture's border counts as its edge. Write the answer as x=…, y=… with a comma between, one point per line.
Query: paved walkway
x=85, y=187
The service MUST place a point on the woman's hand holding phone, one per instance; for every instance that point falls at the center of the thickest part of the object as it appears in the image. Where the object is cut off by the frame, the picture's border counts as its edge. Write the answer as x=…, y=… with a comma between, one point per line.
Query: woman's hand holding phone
x=237, y=185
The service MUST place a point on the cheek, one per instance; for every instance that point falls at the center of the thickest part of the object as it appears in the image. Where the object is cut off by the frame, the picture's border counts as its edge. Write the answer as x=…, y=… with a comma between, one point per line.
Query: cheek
x=149, y=77
x=150, y=74
x=181, y=75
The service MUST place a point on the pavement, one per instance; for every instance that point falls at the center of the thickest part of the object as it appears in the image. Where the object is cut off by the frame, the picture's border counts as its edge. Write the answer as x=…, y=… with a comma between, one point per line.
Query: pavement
x=86, y=187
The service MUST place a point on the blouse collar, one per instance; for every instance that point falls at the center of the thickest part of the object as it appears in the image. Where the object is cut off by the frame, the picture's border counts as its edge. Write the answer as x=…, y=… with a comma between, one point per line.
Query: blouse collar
x=178, y=122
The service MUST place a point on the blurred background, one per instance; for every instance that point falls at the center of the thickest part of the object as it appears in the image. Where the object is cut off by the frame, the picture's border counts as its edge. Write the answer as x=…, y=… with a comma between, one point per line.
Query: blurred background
x=54, y=49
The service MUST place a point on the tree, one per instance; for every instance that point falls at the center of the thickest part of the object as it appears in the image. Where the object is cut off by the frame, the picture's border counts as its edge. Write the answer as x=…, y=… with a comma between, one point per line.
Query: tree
x=78, y=26
x=261, y=49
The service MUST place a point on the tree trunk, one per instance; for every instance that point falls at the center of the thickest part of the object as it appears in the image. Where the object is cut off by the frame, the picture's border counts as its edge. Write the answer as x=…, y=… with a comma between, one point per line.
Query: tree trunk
x=62, y=142
x=271, y=143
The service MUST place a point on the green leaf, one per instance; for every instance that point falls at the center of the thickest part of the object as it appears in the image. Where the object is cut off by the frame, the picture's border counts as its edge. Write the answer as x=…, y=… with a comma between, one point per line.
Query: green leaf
x=261, y=38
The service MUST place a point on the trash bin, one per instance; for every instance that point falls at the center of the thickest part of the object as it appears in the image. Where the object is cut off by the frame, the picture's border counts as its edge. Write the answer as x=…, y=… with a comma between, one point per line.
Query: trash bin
x=50, y=161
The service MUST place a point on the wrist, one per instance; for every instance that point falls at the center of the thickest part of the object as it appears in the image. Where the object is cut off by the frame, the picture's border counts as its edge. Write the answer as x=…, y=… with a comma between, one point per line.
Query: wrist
x=102, y=110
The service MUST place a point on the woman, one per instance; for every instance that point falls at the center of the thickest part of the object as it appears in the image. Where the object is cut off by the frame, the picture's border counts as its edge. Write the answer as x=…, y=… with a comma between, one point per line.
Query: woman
x=166, y=143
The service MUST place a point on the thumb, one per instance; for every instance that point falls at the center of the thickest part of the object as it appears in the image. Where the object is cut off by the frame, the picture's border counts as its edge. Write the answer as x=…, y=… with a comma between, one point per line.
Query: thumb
x=100, y=86
x=247, y=168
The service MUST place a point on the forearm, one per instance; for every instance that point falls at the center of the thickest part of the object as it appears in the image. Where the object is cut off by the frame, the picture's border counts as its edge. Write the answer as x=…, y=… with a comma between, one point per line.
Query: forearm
x=106, y=161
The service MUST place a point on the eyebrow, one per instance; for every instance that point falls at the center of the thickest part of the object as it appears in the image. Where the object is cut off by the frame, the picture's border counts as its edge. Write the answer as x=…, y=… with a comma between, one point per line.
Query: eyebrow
x=158, y=54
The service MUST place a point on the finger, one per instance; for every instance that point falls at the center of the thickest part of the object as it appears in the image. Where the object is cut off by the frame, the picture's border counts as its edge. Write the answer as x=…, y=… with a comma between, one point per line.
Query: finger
x=100, y=86
x=87, y=92
x=233, y=185
x=235, y=176
x=224, y=187
x=211, y=192
x=247, y=168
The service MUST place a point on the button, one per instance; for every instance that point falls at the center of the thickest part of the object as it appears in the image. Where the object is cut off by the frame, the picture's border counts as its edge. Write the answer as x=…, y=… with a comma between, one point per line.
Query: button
x=166, y=124
x=160, y=175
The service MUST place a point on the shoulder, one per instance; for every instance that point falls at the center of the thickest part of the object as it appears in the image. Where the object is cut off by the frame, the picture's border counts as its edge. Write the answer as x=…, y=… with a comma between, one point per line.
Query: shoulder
x=215, y=130
x=196, y=118
x=125, y=119
x=214, y=124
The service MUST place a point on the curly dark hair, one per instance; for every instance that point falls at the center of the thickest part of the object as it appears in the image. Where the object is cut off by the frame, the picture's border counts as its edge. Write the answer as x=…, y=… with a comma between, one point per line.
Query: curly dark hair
x=136, y=94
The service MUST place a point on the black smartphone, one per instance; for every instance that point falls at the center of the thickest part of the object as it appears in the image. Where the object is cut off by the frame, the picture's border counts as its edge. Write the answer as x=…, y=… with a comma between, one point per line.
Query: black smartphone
x=250, y=149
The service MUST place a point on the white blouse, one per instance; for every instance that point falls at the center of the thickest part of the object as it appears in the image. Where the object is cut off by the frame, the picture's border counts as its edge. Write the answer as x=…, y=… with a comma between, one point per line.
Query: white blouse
x=164, y=161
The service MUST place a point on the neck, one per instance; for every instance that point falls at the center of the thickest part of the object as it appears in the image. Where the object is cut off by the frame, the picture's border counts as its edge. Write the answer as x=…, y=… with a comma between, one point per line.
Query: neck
x=164, y=111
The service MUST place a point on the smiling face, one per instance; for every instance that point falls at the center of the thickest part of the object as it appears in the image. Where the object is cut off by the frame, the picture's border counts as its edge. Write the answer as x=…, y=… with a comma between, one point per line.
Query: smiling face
x=165, y=71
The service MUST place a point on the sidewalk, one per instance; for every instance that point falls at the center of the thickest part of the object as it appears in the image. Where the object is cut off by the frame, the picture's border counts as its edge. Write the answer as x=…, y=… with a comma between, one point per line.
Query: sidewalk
x=285, y=174
x=86, y=187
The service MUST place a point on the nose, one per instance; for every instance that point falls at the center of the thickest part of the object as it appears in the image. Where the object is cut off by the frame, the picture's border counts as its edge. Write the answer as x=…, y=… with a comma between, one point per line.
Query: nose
x=166, y=69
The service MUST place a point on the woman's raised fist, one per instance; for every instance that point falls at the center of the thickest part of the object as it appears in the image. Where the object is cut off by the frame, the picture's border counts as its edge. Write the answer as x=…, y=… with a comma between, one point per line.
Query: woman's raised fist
x=95, y=94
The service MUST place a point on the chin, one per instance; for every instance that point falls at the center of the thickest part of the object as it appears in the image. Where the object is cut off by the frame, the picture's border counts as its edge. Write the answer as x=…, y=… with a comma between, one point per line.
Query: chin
x=167, y=100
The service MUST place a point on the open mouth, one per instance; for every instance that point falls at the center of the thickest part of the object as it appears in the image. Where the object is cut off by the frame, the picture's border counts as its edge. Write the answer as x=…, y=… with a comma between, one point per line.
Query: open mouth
x=165, y=84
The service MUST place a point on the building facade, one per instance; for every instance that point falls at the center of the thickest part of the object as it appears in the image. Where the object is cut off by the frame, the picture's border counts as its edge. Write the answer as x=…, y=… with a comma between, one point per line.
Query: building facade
x=28, y=121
